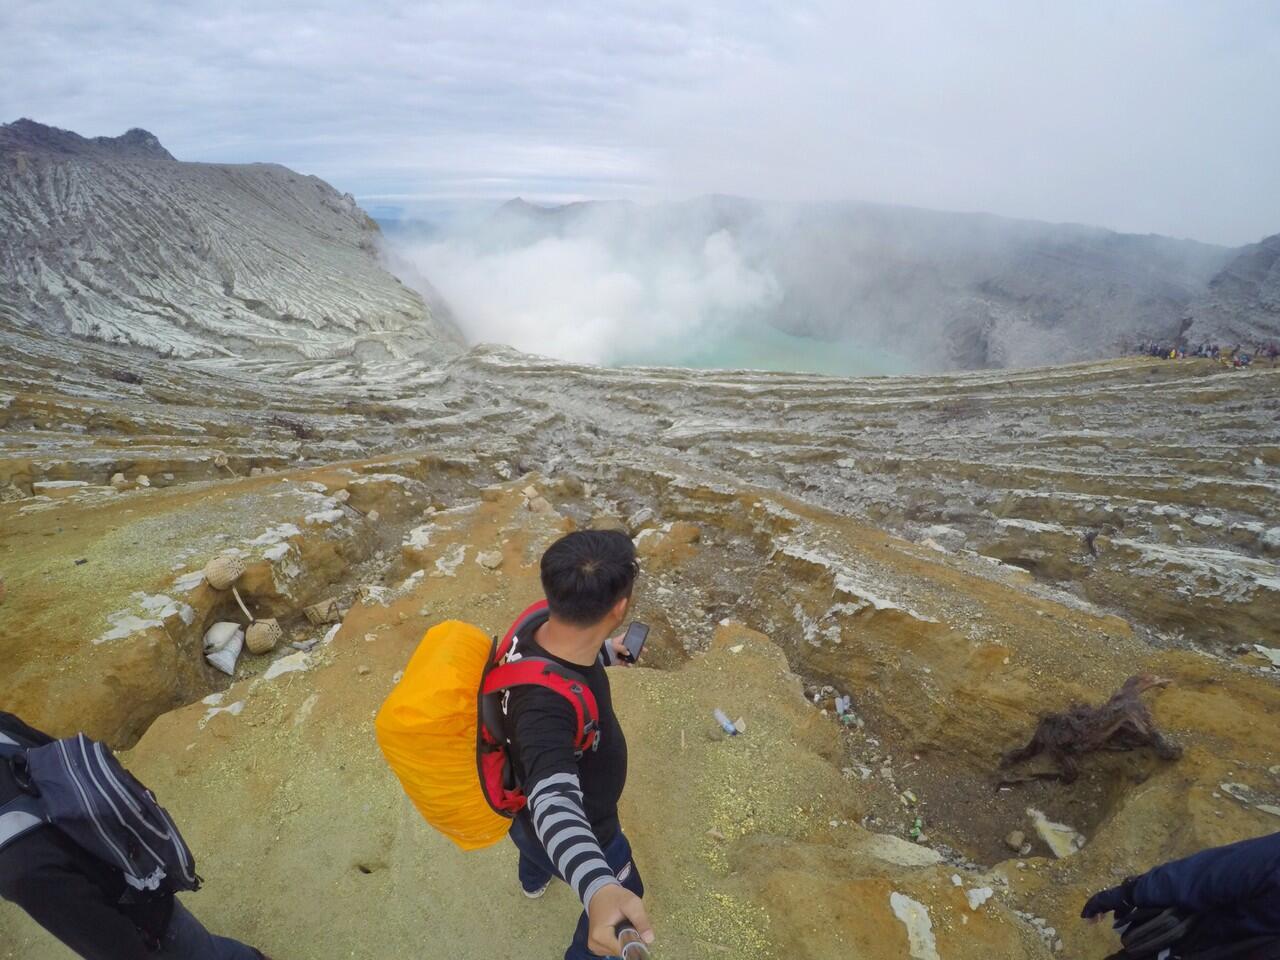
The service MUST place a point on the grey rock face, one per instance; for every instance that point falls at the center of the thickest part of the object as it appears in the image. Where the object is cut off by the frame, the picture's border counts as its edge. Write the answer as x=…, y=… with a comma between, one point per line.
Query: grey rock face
x=113, y=239
x=1242, y=305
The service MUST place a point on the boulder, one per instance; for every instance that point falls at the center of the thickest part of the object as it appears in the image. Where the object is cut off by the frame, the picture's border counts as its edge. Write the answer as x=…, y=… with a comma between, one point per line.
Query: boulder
x=609, y=521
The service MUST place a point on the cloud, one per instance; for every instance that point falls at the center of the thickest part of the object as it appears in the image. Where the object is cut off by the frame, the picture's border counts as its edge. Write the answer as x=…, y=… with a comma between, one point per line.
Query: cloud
x=1138, y=116
x=1141, y=116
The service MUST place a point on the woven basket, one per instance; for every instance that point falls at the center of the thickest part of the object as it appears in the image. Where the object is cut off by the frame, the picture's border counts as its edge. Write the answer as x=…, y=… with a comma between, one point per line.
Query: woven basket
x=222, y=572
x=262, y=636
x=326, y=611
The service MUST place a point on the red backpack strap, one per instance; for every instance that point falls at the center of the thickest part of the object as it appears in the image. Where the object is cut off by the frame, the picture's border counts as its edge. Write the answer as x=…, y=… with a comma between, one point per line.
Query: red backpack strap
x=540, y=672
x=532, y=612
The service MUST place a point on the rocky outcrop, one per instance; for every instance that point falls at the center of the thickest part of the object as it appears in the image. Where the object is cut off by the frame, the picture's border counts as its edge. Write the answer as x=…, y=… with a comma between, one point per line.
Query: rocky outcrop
x=1242, y=305
x=113, y=239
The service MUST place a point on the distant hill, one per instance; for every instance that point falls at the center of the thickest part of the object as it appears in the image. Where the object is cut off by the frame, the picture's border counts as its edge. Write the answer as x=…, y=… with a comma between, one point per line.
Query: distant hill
x=112, y=239
x=1242, y=304
x=958, y=290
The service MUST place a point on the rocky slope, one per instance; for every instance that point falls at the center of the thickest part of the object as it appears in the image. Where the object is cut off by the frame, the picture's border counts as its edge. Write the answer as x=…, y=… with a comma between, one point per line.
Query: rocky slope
x=794, y=839
x=1242, y=305
x=1132, y=484
x=950, y=290
x=113, y=239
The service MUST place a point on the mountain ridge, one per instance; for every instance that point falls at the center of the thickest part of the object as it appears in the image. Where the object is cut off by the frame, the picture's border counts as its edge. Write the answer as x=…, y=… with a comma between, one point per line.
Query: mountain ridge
x=113, y=239
x=27, y=134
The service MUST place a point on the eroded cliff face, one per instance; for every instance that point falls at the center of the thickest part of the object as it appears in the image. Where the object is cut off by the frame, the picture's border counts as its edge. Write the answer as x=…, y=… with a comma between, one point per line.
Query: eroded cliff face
x=113, y=239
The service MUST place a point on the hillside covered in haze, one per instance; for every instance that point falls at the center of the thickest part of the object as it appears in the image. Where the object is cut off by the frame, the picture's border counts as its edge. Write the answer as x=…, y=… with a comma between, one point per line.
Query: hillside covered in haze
x=115, y=240
x=933, y=290
x=1242, y=303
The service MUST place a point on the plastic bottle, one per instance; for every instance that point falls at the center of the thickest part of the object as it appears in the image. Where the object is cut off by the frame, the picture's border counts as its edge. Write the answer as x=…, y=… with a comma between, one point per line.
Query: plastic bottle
x=725, y=723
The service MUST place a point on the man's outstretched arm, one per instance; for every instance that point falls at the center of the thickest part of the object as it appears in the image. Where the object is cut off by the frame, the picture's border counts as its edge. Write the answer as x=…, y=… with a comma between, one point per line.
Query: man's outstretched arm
x=545, y=732
x=1214, y=877
x=560, y=821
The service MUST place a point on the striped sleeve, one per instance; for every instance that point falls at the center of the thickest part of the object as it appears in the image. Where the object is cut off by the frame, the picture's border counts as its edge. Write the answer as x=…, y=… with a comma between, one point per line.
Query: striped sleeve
x=555, y=804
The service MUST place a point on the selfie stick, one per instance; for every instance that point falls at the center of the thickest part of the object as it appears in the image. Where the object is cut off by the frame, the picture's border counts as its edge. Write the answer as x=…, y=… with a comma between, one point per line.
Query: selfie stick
x=633, y=947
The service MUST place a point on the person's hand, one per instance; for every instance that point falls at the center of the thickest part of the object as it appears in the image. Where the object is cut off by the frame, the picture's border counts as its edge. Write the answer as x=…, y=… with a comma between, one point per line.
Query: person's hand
x=621, y=657
x=1118, y=900
x=609, y=905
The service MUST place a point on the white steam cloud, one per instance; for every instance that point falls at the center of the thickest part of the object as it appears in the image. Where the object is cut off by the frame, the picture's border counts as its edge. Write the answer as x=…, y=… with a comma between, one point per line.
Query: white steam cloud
x=851, y=290
x=581, y=298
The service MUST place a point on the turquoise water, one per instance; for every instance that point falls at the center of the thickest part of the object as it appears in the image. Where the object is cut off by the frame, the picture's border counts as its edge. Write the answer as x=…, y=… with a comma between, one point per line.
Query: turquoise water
x=766, y=348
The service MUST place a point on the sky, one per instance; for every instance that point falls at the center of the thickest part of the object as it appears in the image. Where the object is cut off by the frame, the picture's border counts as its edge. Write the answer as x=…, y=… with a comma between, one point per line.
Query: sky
x=1139, y=116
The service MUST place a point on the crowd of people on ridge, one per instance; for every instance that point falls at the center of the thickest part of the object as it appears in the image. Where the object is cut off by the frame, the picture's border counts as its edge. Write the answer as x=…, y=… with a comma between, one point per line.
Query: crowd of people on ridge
x=1237, y=356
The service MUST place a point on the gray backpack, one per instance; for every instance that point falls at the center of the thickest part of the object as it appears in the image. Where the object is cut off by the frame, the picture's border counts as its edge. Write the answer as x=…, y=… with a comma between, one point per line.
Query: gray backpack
x=77, y=786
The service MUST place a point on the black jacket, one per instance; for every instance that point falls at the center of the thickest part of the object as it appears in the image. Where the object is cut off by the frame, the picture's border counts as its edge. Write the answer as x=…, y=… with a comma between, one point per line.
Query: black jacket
x=1235, y=889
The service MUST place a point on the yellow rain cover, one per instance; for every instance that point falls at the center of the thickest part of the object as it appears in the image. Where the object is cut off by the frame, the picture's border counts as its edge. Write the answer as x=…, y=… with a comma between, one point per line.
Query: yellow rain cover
x=427, y=731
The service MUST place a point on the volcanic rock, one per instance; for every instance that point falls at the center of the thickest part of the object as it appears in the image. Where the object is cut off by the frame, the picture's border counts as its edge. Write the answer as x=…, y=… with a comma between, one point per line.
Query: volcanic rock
x=113, y=239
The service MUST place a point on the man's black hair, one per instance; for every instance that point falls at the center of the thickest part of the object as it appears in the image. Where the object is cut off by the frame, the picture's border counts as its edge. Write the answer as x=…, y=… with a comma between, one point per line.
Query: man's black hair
x=586, y=572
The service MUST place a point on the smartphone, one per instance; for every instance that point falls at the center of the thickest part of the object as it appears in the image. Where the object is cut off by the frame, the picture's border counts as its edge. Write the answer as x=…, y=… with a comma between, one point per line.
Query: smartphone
x=634, y=640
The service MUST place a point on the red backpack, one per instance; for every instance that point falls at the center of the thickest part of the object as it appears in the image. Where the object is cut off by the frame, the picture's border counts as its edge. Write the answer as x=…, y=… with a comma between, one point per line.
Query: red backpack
x=508, y=668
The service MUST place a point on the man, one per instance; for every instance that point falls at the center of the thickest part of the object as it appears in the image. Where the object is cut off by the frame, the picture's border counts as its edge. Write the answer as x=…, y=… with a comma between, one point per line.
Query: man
x=77, y=897
x=1233, y=890
x=570, y=827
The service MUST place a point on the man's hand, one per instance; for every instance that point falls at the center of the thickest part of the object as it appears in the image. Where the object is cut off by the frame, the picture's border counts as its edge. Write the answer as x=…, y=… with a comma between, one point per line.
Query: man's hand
x=609, y=905
x=1116, y=899
x=621, y=657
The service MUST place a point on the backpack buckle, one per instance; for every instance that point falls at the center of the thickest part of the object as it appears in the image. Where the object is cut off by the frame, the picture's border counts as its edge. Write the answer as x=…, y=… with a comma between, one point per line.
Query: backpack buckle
x=21, y=771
